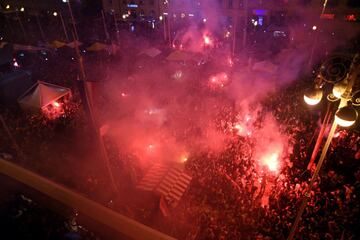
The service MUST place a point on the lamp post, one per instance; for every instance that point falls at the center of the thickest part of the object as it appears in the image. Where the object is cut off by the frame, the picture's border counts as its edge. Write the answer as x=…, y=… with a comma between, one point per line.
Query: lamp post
x=21, y=24
x=63, y=25
x=345, y=116
x=88, y=103
x=316, y=38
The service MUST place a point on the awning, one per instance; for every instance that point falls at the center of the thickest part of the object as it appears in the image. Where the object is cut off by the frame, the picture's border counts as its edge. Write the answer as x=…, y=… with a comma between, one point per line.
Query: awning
x=73, y=44
x=57, y=44
x=169, y=181
x=151, y=52
x=95, y=47
x=20, y=47
x=179, y=56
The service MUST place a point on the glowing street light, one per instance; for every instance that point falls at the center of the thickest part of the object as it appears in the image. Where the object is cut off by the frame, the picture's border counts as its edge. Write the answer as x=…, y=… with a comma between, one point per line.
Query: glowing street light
x=313, y=96
x=339, y=89
x=7, y=6
x=314, y=28
x=345, y=116
x=22, y=9
x=55, y=14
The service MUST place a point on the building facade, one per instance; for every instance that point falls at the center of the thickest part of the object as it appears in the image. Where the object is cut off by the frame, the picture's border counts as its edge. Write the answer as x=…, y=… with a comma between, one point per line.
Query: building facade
x=262, y=11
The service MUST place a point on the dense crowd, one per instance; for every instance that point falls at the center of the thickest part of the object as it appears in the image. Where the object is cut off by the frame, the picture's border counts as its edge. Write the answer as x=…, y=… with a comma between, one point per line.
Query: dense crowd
x=227, y=202
x=229, y=197
x=23, y=218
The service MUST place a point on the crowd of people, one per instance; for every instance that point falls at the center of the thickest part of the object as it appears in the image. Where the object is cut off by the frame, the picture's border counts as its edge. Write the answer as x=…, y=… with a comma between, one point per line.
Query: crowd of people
x=23, y=218
x=226, y=196
x=229, y=197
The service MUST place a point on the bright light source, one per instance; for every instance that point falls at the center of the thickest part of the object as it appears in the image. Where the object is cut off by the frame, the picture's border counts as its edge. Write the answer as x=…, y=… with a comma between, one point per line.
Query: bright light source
x=56, y=104
x=15, y=64
x=204, y=20
x=22, y=9
x=7, y=6
x=339, y=89
x=313, y=96
x=65, y=1
x=346, y=116
x=272, y=162
x=161, y=18
x=55, y=14
x=311, y=101
x=207, y=40
x=314, y=27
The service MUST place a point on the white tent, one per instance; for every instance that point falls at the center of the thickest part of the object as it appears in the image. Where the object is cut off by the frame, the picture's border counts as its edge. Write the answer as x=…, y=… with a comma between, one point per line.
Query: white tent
x=42, y=94
x=151, y=52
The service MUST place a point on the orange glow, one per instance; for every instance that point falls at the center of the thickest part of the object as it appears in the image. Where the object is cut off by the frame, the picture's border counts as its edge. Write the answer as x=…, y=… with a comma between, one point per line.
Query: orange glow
x=351, y=18
x=219, y=80
x=343, y=122
x=207, y=40
x=239, y=127
x=311, y=101
x=184, y=158
x=230, y=61
x=56, y=104
x=272, y=162
x=150, y=146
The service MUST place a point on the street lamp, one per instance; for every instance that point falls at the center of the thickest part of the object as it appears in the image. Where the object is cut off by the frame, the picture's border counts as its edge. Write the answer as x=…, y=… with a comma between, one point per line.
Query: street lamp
x=339, y=89
x=345, y=116
x=313, y=96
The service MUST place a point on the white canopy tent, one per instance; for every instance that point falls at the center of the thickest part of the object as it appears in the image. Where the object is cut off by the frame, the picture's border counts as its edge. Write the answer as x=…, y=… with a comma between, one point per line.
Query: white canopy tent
x=41, y=95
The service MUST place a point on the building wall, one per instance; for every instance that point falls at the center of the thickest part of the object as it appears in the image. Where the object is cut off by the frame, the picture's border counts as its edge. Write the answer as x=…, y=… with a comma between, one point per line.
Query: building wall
x=32, y=6
x=148, y=8
x=233, y=9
